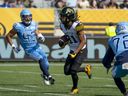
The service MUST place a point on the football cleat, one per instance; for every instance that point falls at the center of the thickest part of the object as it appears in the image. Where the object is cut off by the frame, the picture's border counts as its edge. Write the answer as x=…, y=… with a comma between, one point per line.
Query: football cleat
x=88, y=70
x=48, y=80
x=74, y=91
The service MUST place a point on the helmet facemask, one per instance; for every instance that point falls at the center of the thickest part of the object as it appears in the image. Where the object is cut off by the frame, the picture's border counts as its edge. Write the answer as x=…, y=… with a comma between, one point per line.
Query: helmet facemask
x=26, y=19
x=67, y=15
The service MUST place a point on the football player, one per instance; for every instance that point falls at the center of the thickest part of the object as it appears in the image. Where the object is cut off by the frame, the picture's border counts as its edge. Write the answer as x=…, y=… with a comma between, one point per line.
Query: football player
x=118, y=48
x=28, y=34
x=74, y=30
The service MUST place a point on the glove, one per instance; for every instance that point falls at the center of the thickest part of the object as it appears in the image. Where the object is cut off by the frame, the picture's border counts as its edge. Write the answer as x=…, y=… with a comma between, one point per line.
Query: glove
x=16, y=49
x=41, y=38
x=72, y=54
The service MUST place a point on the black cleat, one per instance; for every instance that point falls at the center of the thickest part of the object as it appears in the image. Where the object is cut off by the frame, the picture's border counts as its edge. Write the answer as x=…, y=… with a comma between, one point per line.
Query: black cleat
x=48, y=80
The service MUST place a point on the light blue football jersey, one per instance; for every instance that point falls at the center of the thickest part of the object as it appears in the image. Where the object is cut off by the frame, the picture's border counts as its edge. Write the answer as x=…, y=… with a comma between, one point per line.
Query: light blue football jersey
x=119, y=43
x=26, y=35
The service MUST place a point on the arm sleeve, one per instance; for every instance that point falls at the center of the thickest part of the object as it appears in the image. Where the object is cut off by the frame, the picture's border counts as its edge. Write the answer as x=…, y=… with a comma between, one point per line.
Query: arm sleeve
x=108, y=58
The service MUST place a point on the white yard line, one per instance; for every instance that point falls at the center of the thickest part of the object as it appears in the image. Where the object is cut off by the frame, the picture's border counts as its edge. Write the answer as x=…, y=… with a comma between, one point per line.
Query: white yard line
x=12, y=89
x=20, y=72
x=110, y=86
x=31, y=86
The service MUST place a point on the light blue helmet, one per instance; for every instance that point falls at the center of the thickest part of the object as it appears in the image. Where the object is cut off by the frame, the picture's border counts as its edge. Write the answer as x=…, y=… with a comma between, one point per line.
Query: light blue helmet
x=122, y=28
x=26, y=16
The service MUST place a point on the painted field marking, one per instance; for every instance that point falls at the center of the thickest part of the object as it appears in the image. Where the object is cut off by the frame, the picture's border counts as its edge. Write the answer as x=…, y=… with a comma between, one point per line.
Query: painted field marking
x=12, y=89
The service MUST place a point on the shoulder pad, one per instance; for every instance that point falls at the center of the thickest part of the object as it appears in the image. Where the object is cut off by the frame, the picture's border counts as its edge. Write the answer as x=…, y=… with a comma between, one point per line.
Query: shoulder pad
x=16, y=26
x=79, y=27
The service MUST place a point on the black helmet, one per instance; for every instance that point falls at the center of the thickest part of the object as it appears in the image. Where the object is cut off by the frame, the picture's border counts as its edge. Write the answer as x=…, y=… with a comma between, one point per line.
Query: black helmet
x=68, y=14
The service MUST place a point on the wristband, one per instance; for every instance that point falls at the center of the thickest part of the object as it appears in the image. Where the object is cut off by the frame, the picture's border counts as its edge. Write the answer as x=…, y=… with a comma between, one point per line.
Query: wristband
x=13, y=45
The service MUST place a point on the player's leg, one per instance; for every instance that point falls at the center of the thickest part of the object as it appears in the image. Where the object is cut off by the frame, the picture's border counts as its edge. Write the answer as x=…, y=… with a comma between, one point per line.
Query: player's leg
x=67, y=71
x=120, y=84
x=74, y=76
x=44, y=65
x=73, y=71
x=118, y=72
x=67, y=66
x=79, y=60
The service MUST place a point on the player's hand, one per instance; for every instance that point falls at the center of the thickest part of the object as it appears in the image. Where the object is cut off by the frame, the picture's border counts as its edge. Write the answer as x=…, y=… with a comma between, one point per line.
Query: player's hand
x=41, y=39
x=16, y=49
x=72, y=54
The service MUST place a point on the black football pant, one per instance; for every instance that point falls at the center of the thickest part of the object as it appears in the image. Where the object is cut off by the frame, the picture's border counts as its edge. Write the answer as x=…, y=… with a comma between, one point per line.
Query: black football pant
x=72, y=66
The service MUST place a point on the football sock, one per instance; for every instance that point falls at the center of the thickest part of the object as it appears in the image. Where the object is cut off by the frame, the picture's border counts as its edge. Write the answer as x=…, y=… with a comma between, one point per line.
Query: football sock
x=74, y=79
x=120, y=85
x=44, y=66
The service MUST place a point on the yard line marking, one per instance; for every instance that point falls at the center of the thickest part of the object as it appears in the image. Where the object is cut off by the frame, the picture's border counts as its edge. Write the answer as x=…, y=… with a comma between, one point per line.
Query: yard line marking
x=55, y=94
x=12, y=89
x=110, y=86
x=21, y=72
x=32, y=86
x=26, y=72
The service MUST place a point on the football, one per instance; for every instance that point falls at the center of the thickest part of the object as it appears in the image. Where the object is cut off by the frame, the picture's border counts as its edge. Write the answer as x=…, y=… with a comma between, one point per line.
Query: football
x=63, y=41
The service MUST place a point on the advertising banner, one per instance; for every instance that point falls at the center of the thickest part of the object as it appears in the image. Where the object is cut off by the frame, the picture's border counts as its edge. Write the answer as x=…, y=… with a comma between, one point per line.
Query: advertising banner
x=96, y=49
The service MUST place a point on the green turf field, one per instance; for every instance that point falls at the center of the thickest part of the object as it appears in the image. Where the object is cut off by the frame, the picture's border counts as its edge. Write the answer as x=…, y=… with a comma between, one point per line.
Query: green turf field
x=23, y=79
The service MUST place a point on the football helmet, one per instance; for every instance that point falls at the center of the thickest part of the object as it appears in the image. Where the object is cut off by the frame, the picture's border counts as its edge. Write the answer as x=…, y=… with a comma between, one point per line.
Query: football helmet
x=26, y=16
x=121, y=28
x=68, y=14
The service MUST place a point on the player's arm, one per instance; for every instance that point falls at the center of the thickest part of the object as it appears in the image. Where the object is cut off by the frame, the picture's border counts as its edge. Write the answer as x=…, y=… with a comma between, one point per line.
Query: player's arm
x=40, y=37
x=9, y=36
x=108, y=58
x=81, y=35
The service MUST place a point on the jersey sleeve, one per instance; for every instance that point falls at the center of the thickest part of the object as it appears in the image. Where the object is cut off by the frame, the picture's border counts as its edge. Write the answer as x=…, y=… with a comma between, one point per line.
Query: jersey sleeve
x=79, y=27
x=16, y=27
x=108, y=58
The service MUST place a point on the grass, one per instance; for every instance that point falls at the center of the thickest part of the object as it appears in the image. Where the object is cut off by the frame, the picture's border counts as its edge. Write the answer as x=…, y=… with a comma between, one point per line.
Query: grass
x=23, y=79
